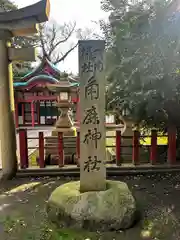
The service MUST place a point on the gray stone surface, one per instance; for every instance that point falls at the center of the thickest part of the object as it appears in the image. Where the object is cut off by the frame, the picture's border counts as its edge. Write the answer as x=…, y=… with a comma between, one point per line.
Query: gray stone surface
x=92, y=115
x=112, y=209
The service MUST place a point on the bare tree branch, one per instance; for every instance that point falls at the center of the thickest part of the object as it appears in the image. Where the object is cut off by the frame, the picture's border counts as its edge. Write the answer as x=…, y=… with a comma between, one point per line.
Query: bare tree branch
x=66, y=54
x=42, y=44
x=63, y=40
x=54, y=33
x=52, y=36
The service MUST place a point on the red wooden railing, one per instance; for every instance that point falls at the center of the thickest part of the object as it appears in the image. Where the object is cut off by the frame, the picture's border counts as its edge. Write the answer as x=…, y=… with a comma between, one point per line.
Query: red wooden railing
x=136, y=160
x=135, y=154
x=23, y=149
x=153, y=153
x=172, y=146
x=60, y=149
x=41, y=150
x=118, y=148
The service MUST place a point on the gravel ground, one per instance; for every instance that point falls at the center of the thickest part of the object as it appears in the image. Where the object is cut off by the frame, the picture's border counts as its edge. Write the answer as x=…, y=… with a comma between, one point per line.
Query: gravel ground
x=22, y=210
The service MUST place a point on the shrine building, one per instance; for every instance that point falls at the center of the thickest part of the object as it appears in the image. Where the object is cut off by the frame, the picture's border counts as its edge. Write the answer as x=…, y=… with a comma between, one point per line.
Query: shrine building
x=35, y=103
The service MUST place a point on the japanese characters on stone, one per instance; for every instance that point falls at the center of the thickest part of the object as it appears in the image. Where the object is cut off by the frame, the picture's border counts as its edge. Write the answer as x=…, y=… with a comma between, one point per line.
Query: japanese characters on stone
x=92, y=164
x=92, y=89
x=91, y=116
x=92, y=63
x=92, y=135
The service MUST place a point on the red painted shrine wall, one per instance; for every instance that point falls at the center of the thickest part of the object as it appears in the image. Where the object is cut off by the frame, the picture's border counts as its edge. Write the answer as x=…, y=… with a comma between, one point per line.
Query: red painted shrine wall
x=37, y=108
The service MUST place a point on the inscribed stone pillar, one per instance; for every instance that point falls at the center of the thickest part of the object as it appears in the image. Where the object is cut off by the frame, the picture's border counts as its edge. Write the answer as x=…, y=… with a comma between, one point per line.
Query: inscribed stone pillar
x=92, y=116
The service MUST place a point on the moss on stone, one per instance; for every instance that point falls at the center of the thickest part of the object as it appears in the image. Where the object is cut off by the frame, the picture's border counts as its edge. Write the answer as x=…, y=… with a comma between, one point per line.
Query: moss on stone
x=114, y=208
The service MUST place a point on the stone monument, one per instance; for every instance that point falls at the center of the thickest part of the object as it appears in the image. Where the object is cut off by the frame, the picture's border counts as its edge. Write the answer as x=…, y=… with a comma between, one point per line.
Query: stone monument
x=92, y=116
x=92, y=203
x=14, y=23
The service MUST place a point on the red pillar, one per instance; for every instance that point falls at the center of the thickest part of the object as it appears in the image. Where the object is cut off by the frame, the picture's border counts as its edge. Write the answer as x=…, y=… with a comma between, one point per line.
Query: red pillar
x=118, y=148
x=78, y=148
x=32, y=114
x=23, y=148
x=135, y=155
x=16, y=115
x=23, y=113
x=41, y=150
x=153, y=154
x=45, y=110
x=172, y=145
x=51, y=111
x=60, y=149
x=38, y=112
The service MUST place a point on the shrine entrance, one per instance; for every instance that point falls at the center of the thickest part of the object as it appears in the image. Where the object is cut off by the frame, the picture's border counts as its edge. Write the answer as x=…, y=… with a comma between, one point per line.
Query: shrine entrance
x=31, y=113
x=36, y=112
x=35, y=103
x=48, y=112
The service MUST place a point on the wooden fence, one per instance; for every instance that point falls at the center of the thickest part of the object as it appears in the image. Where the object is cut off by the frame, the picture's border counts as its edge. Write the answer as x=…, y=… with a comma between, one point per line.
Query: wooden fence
x=153, y=157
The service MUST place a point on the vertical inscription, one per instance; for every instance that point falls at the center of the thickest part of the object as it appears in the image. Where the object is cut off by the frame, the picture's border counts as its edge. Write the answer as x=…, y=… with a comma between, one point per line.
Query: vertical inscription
x=92, y=114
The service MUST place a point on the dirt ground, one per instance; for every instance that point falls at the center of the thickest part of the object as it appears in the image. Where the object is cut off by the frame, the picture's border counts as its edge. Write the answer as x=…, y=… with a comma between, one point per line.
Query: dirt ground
x=23, y=201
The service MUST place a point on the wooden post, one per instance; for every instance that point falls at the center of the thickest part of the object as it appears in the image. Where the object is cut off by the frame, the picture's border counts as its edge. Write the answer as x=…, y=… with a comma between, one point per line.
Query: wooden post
x=23, y=148
x=78, y=148
x=60, y=149
x=38, y=112
x=172, y=145
x=92, y=116
x=32, y=114
x=13, y=23
x=41, y=150
x=153, y=154
x=45, y=111
x=135, y=155
x=51, y=111
x=11, y=87
x=23, y=113
x=118, y=148
x=7, y=126
x=16, y=116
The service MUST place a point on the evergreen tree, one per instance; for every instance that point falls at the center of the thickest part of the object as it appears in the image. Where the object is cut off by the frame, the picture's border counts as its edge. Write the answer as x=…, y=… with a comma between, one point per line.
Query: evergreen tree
x=143, y=60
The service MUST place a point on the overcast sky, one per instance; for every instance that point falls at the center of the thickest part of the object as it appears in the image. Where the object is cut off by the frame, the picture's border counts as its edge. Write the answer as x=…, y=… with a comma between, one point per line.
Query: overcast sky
x=81, y=11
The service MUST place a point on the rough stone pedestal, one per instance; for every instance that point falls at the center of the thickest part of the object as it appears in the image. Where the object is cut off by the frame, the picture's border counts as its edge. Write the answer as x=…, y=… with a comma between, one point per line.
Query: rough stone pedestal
x=112, y=209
